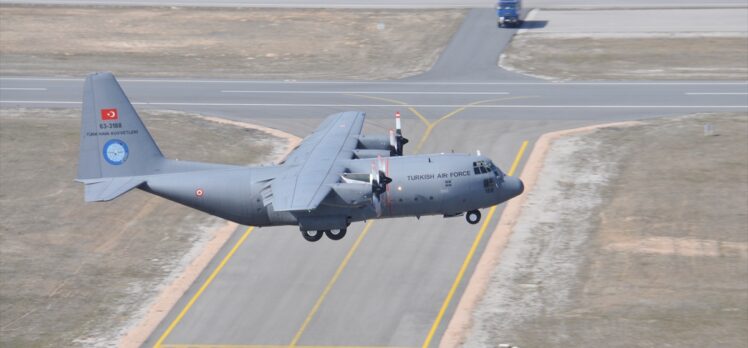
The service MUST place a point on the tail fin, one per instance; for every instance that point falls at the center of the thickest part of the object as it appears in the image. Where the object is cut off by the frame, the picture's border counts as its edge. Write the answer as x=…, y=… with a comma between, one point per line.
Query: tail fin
x=114, y=142
x=116, y=149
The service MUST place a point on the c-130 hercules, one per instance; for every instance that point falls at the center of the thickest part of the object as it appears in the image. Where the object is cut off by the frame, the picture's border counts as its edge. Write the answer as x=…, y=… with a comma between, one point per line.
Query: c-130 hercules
x=336, y=176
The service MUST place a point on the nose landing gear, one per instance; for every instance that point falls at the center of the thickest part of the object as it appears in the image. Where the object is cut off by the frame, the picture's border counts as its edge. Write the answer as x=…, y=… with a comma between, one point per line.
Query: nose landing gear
x=473, y=217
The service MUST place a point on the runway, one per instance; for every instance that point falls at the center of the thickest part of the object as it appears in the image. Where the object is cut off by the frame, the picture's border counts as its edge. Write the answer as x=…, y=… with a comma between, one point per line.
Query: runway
x=388, y=283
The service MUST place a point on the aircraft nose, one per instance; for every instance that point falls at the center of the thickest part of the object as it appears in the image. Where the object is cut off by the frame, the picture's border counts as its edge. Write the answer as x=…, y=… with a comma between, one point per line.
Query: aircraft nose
x=511, y=187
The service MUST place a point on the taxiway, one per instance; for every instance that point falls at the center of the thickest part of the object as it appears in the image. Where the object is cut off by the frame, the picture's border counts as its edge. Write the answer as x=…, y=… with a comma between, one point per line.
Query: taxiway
x=391, y=282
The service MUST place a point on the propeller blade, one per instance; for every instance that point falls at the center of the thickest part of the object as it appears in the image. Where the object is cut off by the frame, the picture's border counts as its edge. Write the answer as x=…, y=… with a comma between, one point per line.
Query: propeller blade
x=393, y=143
x=399, y=139
x=377, y=204
x=374, y=176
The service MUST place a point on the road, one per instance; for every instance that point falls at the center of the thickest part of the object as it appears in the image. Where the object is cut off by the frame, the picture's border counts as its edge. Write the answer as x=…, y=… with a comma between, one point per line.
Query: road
x=388, y=283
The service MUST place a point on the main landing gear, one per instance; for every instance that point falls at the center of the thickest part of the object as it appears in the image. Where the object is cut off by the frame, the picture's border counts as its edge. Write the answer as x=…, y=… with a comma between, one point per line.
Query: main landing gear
x=473, y=217
x=313, y=236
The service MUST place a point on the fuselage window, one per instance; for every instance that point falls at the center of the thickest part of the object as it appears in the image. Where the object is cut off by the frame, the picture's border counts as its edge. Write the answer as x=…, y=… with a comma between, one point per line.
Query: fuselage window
x=489, y=185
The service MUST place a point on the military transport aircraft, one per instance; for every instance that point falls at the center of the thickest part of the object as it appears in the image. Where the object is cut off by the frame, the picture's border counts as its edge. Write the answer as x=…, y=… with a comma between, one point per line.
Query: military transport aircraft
x=336, y=176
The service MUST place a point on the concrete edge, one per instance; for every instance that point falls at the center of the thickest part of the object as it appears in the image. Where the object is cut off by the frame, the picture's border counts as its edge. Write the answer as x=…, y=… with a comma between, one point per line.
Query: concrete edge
x=461, y=321
x=171, y=293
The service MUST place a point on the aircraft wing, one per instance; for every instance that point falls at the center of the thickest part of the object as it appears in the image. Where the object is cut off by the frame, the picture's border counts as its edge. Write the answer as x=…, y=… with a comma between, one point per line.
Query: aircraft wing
x=317, y=163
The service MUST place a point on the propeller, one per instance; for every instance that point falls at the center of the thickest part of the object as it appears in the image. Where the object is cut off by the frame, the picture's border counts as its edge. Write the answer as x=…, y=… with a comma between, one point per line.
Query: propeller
x=400, y=141
x=379, y=181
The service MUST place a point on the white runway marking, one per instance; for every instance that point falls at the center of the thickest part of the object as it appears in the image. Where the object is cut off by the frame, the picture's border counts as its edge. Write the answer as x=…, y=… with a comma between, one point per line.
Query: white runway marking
x=362, y=92
x=21, y=89
x=473, y=106
x=716, y=93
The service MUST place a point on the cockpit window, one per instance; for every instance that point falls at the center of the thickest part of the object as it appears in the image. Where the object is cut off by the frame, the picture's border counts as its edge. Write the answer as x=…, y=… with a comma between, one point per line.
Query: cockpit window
x=497, y=172
x=481, y=167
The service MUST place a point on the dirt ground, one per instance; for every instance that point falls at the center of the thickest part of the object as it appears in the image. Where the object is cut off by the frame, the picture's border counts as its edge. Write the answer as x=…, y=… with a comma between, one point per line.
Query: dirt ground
x=73, y=273
x=632, y=237
x=236, y=43
x=641, y=57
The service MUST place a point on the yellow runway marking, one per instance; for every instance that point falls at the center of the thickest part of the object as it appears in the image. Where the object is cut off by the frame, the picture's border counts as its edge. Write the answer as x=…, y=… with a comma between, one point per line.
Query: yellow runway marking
x=203, y=287
x=395, y=101
x=423, y=118
x=330, y=284
x=518, y=158
x=469, y=256
x=430, y=126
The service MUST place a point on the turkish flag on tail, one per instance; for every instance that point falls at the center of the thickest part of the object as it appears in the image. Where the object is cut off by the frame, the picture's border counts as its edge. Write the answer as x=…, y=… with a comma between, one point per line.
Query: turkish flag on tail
x=109, y=114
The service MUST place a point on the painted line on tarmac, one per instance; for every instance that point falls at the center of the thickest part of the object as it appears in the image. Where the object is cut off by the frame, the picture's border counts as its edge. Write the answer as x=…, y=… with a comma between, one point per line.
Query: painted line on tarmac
x=22, y=89
x=363, y=92
x=203, y=287
x=717, y=93
x=430, y=126
x=470, y=255
x=398, y=102
x=441, y=83
x=332, y=281
x=475, y=106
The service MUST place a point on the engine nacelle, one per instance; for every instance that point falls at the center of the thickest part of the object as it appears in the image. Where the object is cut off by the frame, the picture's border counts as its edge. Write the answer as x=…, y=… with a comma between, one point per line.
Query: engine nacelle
x=364, y=153
x=374, y=142
x=355, y=194
x=392, y=143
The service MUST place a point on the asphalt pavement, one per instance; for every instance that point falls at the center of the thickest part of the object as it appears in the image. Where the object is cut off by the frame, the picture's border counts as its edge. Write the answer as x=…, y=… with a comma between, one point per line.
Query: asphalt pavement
x=388, y=282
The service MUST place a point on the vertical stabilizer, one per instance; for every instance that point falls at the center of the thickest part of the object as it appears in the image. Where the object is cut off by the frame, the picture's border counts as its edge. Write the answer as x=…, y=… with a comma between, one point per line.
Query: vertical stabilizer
x=114, y=142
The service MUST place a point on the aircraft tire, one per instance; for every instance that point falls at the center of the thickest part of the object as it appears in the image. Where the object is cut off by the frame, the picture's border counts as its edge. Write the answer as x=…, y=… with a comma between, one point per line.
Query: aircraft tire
x=312, y=236
x=473, y=217
x=336, y=236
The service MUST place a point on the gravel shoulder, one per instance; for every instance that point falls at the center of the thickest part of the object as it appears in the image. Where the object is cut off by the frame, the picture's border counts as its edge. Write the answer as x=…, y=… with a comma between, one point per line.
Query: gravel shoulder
x=241, y=43
x=77, y=274
x=665, y=44
x=631, y=236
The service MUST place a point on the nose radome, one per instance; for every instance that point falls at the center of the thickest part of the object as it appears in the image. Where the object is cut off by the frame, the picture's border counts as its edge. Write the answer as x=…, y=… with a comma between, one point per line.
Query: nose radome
x=511, y=187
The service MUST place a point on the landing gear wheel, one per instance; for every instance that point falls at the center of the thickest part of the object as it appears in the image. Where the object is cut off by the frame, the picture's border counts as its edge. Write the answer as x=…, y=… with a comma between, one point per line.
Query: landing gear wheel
x=336, y=235
x=312, y=236
x=473, y=217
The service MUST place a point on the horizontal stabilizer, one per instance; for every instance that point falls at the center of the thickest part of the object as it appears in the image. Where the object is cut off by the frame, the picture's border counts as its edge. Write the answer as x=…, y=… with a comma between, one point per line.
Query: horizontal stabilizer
x=107, y=189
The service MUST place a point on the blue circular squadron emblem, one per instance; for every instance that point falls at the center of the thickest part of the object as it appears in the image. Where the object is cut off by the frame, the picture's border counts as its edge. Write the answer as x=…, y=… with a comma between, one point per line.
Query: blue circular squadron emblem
x=115, y=151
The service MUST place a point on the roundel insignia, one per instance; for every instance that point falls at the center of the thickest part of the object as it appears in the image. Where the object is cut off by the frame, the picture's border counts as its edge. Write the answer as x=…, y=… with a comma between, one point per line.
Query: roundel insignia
x=115, y=152
x=199, y=192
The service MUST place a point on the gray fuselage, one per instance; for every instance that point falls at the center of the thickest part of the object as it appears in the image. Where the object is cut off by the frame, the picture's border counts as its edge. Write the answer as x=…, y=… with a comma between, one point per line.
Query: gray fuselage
x=436, y=184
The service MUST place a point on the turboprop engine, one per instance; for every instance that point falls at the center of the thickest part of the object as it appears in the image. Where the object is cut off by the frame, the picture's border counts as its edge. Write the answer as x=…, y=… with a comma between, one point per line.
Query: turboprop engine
x=359, y=189
x=382, y=145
